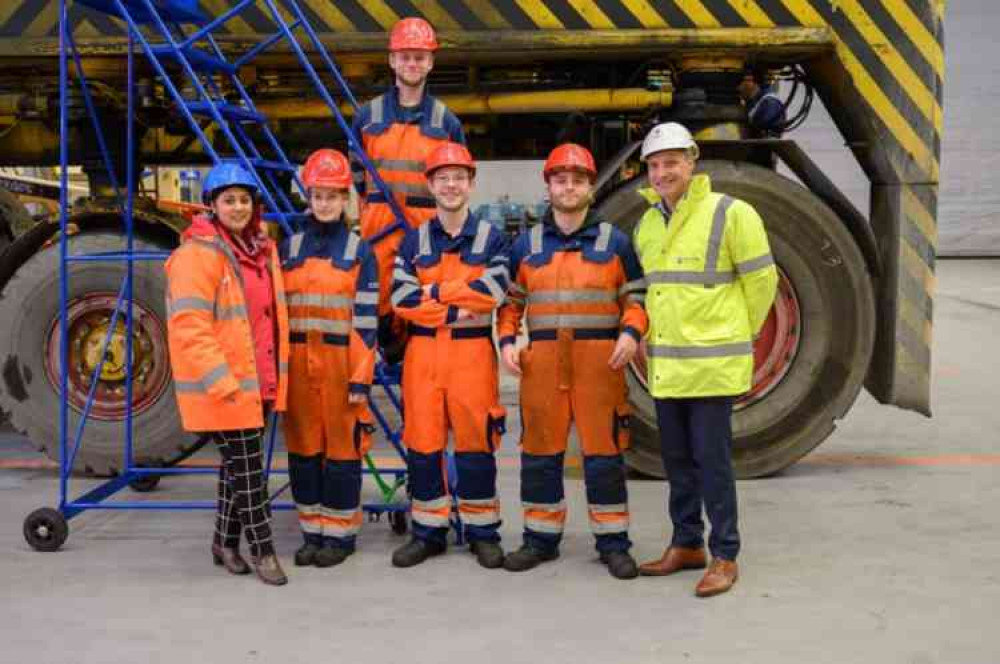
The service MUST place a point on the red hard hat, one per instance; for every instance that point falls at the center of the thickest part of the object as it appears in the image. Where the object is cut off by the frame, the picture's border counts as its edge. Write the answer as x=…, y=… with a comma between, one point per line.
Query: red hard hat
x=570, y=156
x=449, y=154
x=327, y=168
x=413, y=34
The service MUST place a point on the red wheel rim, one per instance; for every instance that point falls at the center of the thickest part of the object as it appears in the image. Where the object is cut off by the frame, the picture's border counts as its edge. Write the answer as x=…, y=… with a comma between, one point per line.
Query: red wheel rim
x=88, y=318
x=774, y=349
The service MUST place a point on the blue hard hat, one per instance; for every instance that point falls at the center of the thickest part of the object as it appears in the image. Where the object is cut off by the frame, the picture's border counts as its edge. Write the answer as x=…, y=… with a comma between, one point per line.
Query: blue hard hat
x=224, y=175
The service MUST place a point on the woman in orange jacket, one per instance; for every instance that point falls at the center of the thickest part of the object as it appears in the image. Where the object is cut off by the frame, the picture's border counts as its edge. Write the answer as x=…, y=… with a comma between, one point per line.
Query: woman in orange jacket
x=228, y=335
x=332, y=284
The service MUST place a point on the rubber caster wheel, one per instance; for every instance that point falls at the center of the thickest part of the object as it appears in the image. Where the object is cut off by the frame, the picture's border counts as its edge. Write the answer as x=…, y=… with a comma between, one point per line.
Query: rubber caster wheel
x=397, y=520
x=144, y=483
x=46, y=529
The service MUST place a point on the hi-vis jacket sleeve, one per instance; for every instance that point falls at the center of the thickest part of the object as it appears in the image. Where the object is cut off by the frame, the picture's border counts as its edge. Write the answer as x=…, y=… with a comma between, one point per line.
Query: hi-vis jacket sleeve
x=753, y=263
x=482, y=295
x=632, y=292
x=408, y=298
x=511, y=313
x=192, y=283
x=364, y=324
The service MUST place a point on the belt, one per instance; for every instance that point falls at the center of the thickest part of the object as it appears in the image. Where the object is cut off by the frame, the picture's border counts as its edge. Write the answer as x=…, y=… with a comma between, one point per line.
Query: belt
x=330, y=339
x=456, y=333
x=580, y=334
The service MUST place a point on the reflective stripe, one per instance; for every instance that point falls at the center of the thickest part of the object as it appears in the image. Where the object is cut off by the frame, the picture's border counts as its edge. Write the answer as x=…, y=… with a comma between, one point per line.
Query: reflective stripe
x=188, y=304
x=632, y=286
x=409, y=188
x=715, y=239
x=482, y=235
x=342, y=515
x=282, y=367
x=317, y=300
x=364, y=322
x=377, y=109
x=431, y=513
x=431, y=505
x=535, y=237
x=638, y=298
x=481, y=320
x=545, y=507
x=572, y=321
x=480, y=512
x=402, y=275
x=229, y=313
x=208, y=380
x=295, y=245
x=403, y=292
x=495, y=289
x=279, y=297
x=544, y=526
x=366, y=297
x=351, y=250
x=754, y=264
x=690, y=277
x=408, y=165
x=249, y=385
x=620, y=508
x=424, y=236
x=437, y=114
x=608, y=527
x=722, y=350
x=603, y=236
x=550, y=296
x=319, y=325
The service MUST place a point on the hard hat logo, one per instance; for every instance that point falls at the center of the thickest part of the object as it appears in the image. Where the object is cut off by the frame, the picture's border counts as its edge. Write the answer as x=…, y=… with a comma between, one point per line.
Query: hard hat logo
x=414, y=34
x=668, y=136
x=327, y=168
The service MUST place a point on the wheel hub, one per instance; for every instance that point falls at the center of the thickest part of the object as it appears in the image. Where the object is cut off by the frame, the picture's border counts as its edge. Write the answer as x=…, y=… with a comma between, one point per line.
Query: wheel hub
x=89, y=320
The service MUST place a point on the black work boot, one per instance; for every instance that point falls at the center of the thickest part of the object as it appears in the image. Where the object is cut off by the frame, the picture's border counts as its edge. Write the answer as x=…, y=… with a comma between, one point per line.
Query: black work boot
x=329, y=556
x=620, y=564
x=415, y=552
x=488, y=554
x=306, y=555
x=527, y=557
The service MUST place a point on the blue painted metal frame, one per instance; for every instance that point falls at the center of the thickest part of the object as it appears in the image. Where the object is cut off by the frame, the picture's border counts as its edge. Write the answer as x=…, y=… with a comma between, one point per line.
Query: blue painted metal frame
x=134, y=12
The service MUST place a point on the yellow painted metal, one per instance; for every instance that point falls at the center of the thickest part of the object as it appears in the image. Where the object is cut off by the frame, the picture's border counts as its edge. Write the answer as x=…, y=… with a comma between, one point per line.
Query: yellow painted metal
x=725, y=131
x=711, y=62
x=555, y=101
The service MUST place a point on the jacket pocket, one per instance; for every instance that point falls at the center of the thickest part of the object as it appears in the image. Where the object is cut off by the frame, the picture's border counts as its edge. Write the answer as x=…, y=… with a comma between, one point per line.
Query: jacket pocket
x=496, y=427
x=621, y=426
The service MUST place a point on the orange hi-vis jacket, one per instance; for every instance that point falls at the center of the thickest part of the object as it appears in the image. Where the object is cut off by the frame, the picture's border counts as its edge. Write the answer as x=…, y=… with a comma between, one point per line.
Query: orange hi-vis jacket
x=209, y=334
x=332, y=291
x=579, y=293
x=398, y=140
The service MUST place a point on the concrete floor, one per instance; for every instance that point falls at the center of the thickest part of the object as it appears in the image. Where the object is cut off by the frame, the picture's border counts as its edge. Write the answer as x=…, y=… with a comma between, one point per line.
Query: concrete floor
x=882, y=546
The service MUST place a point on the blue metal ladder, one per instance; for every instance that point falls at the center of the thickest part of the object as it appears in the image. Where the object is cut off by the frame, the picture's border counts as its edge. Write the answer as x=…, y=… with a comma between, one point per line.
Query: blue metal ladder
x=201, y=60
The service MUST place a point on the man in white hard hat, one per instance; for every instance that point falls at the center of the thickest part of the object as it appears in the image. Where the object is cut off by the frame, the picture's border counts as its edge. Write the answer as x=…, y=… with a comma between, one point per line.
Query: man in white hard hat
x=711, y=282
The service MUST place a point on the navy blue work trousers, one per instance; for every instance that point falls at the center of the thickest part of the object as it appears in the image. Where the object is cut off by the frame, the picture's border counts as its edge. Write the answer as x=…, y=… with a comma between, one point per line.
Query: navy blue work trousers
x=695, y=441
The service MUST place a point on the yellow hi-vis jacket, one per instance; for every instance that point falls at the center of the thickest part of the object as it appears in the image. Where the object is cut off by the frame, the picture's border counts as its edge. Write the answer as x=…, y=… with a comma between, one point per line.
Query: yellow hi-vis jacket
x=711, y=282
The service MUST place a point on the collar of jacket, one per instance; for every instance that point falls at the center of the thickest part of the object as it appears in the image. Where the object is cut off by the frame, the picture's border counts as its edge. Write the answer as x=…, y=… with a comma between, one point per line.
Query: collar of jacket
x=587, y=229
x=469, y=227
x=329, y=229
x=421, y=110
x=251, y=247
x=698, y=189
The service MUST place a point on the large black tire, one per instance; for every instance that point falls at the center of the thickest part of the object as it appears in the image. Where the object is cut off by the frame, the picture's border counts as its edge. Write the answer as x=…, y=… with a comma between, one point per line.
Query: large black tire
x=834, y=289
x=29, y=306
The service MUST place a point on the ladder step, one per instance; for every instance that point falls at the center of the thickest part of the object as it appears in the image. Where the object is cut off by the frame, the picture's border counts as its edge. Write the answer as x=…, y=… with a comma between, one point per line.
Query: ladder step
x=272, y=165
x=198, y=59
x=232, y=112
x=177, y=11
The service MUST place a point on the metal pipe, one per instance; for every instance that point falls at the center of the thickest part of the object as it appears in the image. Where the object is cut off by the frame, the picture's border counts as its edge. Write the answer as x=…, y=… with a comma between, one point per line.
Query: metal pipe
x=549, y=101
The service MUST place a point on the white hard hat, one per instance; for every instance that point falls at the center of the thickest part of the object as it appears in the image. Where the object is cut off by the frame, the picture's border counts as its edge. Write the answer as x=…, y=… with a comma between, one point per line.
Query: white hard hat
x=668, y=136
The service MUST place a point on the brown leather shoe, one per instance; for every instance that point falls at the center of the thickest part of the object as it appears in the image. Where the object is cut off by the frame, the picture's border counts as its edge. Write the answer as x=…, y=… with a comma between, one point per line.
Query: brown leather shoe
x=719, y=578
x=674, y=559
x=269, y=570
x=230, y=559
